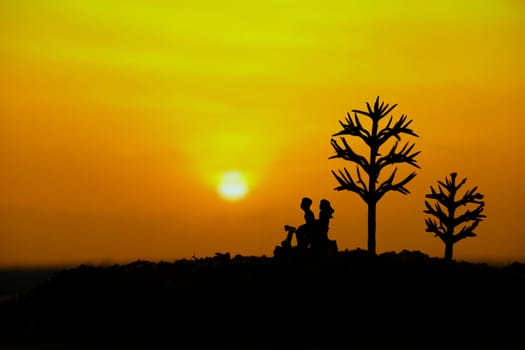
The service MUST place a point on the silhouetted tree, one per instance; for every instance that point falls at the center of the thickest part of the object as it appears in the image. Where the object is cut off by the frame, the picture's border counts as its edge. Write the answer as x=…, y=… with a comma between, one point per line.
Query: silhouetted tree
x=372, y=192
x=448, y=219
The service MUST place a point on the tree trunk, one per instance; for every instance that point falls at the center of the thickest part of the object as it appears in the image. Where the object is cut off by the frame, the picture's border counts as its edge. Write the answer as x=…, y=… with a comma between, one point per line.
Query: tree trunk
x=449, y=240
x=448, y=250
x=372, y=179
x=372, y=227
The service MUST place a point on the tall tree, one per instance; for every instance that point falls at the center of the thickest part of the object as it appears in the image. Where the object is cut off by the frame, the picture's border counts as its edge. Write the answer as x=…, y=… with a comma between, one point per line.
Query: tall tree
x=447, y=220
x=374, y=137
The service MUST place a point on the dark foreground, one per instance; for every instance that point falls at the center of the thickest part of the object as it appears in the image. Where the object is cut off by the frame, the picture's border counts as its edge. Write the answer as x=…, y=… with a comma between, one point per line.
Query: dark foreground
x=347, y=300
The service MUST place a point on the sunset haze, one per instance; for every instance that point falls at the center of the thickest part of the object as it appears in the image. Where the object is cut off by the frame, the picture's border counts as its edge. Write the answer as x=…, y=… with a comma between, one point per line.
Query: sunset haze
x=118, y=120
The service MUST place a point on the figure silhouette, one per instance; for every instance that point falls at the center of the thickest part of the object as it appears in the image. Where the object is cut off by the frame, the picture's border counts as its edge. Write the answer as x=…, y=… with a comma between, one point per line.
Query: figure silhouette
x=319, y=239
x=313, y=233
x=304, y=232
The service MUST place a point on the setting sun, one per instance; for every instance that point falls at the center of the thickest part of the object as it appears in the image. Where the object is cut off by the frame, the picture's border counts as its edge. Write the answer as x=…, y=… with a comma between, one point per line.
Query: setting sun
x=233, y=186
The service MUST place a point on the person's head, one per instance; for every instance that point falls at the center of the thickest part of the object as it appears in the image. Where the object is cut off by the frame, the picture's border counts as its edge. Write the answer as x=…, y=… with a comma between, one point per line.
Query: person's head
x=306, y=203
x=325, y=206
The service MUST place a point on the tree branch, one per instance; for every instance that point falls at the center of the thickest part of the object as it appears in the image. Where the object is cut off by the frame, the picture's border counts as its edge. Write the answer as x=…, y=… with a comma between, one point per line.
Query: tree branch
x=436, y=211
x=471, y=197
x=401, y=156
x=470, y=215
x=354, y=128
x=347, y=153
x=432, y=227
x=466, y=231
x=401, y=126
x=346, y=182
x=388, y=185
x=441, y=196
x=378, y=112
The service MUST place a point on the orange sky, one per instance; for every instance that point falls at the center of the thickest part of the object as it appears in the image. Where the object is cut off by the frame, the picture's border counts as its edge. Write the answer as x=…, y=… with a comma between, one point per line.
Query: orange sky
x=118, y=117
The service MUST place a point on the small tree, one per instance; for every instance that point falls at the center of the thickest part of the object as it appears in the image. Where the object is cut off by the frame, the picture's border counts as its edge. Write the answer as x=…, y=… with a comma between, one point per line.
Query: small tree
x=373, y=191
x=445, y=211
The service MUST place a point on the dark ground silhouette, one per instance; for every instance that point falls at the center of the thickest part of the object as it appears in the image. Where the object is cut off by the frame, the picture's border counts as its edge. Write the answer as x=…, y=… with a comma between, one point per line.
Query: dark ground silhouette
x=344, y=300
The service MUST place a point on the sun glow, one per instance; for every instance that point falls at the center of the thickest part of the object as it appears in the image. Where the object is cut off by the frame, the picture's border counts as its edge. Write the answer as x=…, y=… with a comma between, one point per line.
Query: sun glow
x=233, y=186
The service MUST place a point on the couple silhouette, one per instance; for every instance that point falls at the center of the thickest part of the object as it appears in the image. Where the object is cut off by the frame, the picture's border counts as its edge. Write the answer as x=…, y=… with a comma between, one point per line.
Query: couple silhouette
x=313, y=233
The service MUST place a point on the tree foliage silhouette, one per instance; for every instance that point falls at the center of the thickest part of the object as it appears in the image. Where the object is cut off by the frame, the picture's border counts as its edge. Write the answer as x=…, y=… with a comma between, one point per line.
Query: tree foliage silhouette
x=372, y=192
x=445, y=212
